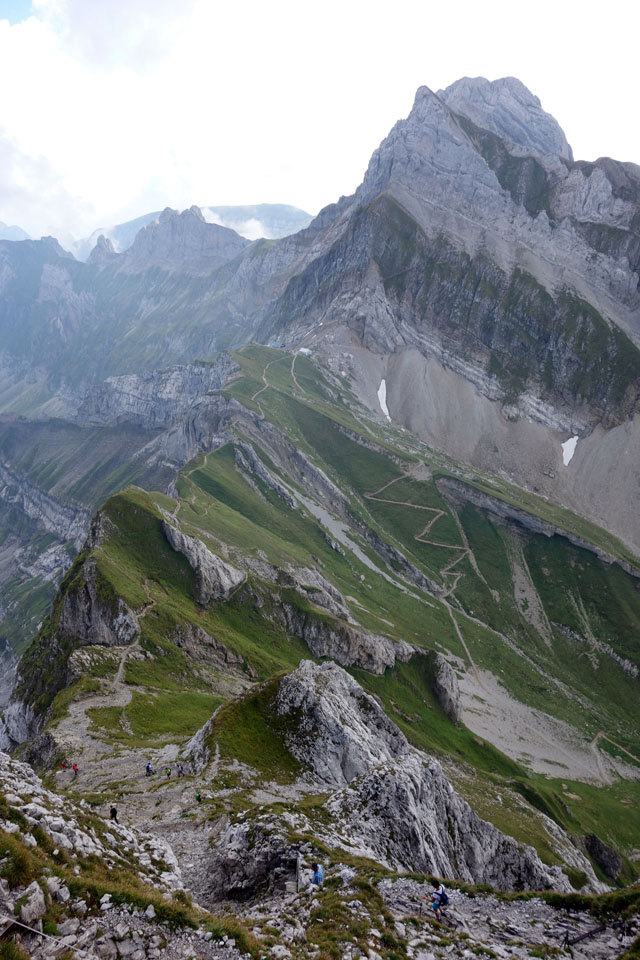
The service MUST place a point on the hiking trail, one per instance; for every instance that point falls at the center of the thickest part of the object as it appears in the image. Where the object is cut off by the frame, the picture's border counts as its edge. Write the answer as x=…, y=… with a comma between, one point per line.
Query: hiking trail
x=447, y=569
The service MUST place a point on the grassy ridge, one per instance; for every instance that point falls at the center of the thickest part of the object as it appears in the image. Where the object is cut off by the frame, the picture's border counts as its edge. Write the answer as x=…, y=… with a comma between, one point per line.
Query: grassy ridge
x=592, y=609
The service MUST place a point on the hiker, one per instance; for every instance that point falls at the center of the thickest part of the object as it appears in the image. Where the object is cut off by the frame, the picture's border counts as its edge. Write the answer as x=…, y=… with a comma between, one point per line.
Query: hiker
x=147, y=770
x=318, y=874
x=180, y=770
x=168, y=771
x=64, y=764
x=198, y=797
x=439, y=898
x=75, y=769
x=113, y=813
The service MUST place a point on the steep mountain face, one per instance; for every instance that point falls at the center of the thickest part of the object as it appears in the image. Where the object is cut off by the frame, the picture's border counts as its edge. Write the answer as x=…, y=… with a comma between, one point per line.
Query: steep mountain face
x=56, y=472
x=183, y=242
x=507, y=108
x=477, y=262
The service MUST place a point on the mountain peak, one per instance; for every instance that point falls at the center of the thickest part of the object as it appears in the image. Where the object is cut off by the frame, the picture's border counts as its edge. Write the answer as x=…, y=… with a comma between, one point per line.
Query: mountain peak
x=103, y=251
x=183, y=238
x=507, y=107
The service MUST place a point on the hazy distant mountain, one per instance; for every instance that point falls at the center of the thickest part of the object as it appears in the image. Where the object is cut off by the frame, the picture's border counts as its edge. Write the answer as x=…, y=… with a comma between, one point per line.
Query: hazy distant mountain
x=12, y=233
x=271, y=220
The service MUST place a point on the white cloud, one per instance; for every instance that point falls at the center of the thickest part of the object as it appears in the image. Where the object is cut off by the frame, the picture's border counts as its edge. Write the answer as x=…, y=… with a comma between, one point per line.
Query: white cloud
x=33, y=196
x=118, y=108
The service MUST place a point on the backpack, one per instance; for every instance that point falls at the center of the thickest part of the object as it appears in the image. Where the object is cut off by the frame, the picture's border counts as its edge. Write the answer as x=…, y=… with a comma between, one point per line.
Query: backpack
x=444, y=899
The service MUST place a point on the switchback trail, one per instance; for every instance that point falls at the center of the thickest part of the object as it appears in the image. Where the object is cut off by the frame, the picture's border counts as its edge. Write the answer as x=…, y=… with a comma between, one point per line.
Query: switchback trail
x=446, y=570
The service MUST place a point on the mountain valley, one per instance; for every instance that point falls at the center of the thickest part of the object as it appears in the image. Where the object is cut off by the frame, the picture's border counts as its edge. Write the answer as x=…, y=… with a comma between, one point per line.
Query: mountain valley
x=344, y=523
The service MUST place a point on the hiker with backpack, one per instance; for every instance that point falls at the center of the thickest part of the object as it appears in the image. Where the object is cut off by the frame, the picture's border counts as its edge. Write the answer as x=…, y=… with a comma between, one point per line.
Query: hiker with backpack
x=439, y=898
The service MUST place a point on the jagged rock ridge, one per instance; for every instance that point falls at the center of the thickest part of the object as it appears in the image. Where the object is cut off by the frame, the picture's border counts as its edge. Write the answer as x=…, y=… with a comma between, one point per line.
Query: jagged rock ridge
x=388, y=801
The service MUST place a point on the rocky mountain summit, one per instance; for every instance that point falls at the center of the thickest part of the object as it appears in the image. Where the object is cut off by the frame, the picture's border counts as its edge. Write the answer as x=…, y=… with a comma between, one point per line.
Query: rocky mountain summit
x=509, y=109
x=182, y=241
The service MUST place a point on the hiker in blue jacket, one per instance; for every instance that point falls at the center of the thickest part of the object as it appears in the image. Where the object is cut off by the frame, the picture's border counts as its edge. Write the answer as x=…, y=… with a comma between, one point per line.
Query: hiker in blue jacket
x=318, y=874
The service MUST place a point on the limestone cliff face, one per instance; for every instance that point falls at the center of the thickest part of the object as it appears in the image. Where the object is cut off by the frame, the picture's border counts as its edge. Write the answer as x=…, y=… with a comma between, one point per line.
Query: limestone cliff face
x=68, y=521
x=155, y=400
x=388, y=801
x=103, y=252
x=509, y=109
x=392, y=802
x=408, y=815
x=216, y=580
x=86, y=613
x=348, y=645
x=91, y=618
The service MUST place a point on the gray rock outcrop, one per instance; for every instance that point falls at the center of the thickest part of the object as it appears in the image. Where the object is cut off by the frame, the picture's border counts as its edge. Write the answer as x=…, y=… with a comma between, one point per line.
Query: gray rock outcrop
x=393, y=803
x=183, y=241
x=407, y=815
x=103, y=252
x=17, y=724
x=609, y=861
x=215, y=579
x=348, y=645
x=68, y=521
x=154, y=400
x=340, y=731
x=445, y=687
x=201, y=646
x=509, y=109
x=94, y=618
x=250, y=859
x=34, y=907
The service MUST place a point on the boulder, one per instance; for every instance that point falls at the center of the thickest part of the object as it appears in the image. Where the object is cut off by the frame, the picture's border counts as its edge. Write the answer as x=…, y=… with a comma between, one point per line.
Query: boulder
x=35, y=906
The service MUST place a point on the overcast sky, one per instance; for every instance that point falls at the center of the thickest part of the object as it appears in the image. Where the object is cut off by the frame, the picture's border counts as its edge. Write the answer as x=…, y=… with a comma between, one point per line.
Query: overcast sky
x=112, y=108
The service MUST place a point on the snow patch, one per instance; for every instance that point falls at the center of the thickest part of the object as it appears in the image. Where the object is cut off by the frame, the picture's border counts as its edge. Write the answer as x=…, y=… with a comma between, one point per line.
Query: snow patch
x=568, y=450
x=382, y=398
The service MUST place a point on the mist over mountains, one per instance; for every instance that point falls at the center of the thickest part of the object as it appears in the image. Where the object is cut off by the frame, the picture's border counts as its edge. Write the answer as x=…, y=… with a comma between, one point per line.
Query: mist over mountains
x=269, y=220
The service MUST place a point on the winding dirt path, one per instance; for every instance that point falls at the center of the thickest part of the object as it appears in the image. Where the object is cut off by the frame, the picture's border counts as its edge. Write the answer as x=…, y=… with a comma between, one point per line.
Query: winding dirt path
x=447, y=569
x=593, y=746
x=263, y=388
x=421, y=537
x=293, y=373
